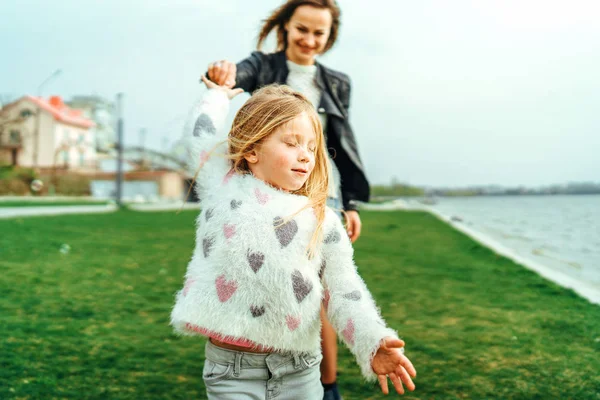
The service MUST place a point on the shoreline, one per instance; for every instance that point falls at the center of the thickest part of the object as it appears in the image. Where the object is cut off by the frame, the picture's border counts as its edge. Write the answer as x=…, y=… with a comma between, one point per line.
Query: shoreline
x=585, y=290
x=582, y=288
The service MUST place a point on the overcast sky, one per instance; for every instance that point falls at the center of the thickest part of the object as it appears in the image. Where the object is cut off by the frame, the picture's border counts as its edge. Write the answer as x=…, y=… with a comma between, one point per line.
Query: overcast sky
x=444, y=93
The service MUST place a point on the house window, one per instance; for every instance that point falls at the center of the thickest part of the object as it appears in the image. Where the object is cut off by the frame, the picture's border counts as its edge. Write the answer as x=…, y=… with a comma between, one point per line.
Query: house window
x=80, y=139
x=15, y=137
x=81, y=159
x=65, y=156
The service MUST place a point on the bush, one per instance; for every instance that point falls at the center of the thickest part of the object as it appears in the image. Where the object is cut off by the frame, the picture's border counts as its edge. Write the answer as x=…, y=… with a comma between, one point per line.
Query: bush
x=72, y=185
x=13, y=187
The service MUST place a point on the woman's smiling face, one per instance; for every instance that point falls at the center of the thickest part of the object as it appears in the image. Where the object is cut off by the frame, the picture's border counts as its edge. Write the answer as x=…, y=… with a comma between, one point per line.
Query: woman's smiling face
x=307, y=33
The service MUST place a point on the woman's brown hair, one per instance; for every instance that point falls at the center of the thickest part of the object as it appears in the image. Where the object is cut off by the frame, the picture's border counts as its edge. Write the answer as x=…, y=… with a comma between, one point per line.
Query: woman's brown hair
x=283, y=14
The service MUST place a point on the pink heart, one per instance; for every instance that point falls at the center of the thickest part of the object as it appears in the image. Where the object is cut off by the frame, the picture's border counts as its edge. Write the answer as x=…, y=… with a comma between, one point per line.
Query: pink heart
x=292, y=322
x=228, y=176
x=348, y=331
x=261, y=197
x=188, y=284
x=203, y=157
x=229, y=230
x=225, y=288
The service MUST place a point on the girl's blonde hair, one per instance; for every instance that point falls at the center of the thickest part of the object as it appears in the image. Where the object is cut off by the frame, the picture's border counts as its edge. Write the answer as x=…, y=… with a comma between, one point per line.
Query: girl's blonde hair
x=268, y=109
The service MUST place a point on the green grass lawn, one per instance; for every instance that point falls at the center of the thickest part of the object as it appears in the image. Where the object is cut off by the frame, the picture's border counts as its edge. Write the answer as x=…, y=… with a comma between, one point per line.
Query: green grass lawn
x=41, y=203
x=93, y=323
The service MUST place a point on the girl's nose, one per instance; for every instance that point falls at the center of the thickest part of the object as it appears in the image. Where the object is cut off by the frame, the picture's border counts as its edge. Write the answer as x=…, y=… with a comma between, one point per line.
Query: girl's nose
x=303, y=155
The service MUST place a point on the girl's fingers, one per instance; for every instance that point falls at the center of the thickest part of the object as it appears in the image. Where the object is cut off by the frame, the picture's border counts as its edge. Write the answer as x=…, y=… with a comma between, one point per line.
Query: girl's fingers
x=205, y=81
x=397, y=383
x=234, y=92
x=393, y=342
x=408, y=366
x=401, y=372
x=383, y=383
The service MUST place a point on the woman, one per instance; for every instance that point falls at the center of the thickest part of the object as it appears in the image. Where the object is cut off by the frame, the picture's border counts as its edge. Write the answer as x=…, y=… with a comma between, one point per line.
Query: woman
x=306, y=29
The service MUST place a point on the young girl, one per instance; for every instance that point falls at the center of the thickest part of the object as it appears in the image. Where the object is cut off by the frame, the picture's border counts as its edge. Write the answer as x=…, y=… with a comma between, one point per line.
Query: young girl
x=306, y=29
x=269, y=251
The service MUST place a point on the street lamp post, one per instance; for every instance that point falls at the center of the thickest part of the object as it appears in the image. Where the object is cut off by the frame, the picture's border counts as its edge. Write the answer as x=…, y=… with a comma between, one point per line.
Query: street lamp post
x=119, y=181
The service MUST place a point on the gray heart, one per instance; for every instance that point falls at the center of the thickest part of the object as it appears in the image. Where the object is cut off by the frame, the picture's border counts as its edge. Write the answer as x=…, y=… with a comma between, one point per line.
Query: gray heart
x=204, y=124
x=235, y=204
x=332, y=237
x=354, y=295
x=257, y=311
x=301, y=286
x=255, y=260
x=207, y=244
x=208, y=214
x=286, y=232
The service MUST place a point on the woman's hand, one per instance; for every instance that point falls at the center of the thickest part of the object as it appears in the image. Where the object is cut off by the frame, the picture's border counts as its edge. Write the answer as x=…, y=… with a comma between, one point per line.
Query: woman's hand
x=390, y=361
x=231, y=93
x=222, y=73
x=353, y=225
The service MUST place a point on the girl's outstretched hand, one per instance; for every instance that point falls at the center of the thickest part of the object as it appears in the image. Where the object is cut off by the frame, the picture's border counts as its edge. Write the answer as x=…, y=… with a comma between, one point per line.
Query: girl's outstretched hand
x=231, y=93
x=390, y=361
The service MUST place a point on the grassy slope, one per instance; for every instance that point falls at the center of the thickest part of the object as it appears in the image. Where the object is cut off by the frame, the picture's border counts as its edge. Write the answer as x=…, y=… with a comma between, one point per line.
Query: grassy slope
x=94, y=323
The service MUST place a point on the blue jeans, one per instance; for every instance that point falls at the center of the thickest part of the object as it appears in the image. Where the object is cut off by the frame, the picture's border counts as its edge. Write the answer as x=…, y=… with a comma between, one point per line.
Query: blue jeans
x=238, y=375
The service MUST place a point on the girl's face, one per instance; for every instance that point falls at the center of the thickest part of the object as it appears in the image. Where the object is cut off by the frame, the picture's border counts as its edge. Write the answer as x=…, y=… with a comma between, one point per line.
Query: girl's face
x=286, y=158
x=307, y=33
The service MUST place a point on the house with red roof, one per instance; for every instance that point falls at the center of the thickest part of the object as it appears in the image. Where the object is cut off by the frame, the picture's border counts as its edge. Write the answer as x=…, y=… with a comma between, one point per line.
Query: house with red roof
x=46, y=133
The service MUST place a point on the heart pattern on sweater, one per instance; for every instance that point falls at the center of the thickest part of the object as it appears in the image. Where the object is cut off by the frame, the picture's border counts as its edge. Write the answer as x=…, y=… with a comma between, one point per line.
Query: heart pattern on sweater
x=332, y=237
x=348, y=331
x=207, y=244
x=209, y=213
x=257, y=311
x=301, y=286
x=285, y=232
x=203, y=157
x=204, y=123
x=188, y=284
x=235, y=204
x=292, y=322
x=228, y=230
x=225, y=288
x=262, y=198
x=255, y=260
x=354, y=295
x=228, y=176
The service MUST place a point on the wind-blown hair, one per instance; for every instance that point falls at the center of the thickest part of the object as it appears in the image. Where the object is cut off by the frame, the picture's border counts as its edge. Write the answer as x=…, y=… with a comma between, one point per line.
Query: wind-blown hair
x=268, y=109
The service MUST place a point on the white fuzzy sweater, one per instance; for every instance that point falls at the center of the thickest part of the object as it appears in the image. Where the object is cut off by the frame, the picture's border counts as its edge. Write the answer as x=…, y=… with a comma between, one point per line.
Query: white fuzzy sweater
x=250, y=281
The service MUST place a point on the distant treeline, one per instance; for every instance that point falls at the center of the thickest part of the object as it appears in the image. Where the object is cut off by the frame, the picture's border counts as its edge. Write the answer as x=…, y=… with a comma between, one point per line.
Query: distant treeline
x=404, y=190
x=397, y=190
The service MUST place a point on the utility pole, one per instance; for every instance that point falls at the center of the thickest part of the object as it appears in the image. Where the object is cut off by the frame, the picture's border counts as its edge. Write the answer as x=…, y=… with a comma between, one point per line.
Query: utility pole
x=119, y=177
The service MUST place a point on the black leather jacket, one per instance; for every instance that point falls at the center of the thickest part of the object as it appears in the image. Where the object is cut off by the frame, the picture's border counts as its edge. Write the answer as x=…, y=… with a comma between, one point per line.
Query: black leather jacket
x=263, y=69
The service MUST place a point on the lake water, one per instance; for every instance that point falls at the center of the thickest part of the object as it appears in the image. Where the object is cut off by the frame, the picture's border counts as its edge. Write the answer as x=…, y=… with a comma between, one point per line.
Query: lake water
x=561, y=233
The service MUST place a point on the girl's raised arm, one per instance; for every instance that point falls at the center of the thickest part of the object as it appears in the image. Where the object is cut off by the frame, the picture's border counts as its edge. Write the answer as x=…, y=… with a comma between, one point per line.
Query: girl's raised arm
x=205, y=136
